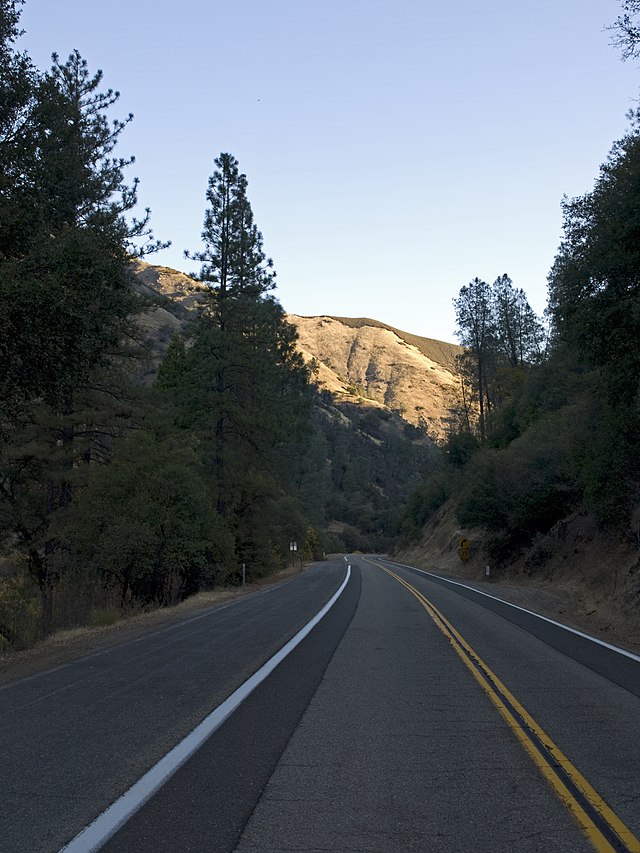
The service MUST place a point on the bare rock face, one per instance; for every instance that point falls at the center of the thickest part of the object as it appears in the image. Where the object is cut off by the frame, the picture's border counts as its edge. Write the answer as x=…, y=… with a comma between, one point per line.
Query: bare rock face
x=360, y=358
x=174, y=295
x=173, y=299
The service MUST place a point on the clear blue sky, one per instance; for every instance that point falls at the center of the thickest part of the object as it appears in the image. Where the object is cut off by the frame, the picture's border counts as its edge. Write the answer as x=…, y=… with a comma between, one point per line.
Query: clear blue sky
x=394, y=149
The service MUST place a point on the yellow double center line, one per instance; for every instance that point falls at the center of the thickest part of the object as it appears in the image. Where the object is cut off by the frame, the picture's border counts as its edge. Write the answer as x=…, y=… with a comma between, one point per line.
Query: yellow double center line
x=603, y=827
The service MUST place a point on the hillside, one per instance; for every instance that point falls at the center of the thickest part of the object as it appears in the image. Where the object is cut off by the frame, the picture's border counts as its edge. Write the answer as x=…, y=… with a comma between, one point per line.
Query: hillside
x=381, y=399
x=364, y=359
x=358, y=360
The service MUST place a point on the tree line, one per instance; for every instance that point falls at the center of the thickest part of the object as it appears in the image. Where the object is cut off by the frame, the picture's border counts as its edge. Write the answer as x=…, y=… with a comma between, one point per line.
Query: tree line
x=549, y=421
x=116, y=494
x=113, y=494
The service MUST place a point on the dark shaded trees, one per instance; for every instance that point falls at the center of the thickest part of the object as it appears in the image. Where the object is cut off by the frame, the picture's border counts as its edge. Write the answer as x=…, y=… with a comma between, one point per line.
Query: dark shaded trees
x=234, y=265
x=475, y=331
x=244, y=388
x=145, y=523
x=519, y=334
x=594, y=284
x=594, y=304
x=565, y=436
x=66, y=293
x=488, y=468
x=66, y=300
x=233, y=261
x=501, y=335
x=65, y=296
x=18, y=80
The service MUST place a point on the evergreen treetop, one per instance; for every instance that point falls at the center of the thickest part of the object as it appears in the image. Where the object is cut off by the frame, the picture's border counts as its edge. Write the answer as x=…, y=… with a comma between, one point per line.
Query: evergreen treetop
x=233, y=260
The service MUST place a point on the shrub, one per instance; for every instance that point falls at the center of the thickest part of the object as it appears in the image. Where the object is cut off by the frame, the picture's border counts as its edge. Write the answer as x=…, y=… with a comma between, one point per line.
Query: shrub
x=460, y=447
x=525, y=488
x=19, y=611
x=428, y=498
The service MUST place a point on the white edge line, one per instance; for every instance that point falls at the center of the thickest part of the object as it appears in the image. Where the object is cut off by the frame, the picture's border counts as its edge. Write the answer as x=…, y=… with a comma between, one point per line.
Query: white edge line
x=105, y=825
x=606, y=645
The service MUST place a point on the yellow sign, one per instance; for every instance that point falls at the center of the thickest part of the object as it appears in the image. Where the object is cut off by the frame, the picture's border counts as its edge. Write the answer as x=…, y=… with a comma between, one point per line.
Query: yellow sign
x=463, y=549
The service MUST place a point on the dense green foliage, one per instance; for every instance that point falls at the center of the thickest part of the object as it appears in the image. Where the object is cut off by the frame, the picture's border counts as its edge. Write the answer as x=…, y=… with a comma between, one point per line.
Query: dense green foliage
x=374, y=465
x=542, y=432
x=105, y=495
x=502, y=337
x=117, y=495
x=66, y=302
x=147, y=523
x=240, y=385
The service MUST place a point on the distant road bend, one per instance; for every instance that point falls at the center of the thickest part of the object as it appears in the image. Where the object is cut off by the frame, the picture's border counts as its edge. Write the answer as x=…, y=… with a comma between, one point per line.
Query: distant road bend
x=361, y=706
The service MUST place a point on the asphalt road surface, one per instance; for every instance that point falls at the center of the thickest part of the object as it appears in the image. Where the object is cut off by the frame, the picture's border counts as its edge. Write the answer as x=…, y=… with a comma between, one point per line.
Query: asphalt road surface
x=411, y=717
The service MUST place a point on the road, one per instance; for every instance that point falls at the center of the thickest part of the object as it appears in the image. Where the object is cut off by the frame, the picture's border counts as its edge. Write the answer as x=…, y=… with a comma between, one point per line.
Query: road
x=411, y=717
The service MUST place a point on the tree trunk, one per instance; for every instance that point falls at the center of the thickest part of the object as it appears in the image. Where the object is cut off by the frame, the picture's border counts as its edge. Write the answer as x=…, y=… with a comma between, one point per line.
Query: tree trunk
x=46, y=584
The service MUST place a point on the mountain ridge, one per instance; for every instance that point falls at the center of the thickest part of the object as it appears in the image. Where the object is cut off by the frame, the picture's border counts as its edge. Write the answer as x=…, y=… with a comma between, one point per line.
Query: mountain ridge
x=442, y=352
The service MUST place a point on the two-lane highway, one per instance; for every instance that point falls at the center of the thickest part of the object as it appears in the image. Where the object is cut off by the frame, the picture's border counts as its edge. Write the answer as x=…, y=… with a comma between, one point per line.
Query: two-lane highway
x=402, y=749
x=406, y=719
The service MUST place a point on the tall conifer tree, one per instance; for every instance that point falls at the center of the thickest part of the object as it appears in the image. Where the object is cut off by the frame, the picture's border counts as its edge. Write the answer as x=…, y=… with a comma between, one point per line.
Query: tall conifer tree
x=244, y=355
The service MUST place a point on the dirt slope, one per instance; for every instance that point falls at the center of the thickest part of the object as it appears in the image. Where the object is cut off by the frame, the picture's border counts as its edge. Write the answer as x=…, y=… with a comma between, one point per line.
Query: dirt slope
x=574, y=574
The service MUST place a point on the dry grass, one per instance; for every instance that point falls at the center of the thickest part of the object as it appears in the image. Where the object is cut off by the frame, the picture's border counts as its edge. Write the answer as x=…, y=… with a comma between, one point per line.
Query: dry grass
x=581, y=578
x=387, y=367
x=72, y=643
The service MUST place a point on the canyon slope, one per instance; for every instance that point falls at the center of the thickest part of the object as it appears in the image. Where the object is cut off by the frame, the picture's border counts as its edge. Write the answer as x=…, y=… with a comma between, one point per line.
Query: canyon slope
x=364, y=360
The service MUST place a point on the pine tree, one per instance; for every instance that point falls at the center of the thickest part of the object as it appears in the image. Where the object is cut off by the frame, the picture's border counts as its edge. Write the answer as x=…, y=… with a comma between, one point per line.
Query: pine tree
x=594, y=284
x=233, y=260
x=519, y=333
x=241, y=333
x=502, y=337
x=18, y=79
x=249, y=380
x=626, y=29
x=476, y=332
x=66, y=297
x=594, y=304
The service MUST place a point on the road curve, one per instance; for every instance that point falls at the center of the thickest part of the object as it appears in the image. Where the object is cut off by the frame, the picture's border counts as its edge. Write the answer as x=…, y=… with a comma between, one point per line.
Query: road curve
x=616, y=664
x=401, y=749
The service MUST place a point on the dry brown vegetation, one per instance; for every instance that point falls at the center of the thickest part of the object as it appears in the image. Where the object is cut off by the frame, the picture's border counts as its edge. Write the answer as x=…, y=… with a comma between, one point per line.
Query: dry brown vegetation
x=67, y=645
x=574, y=574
